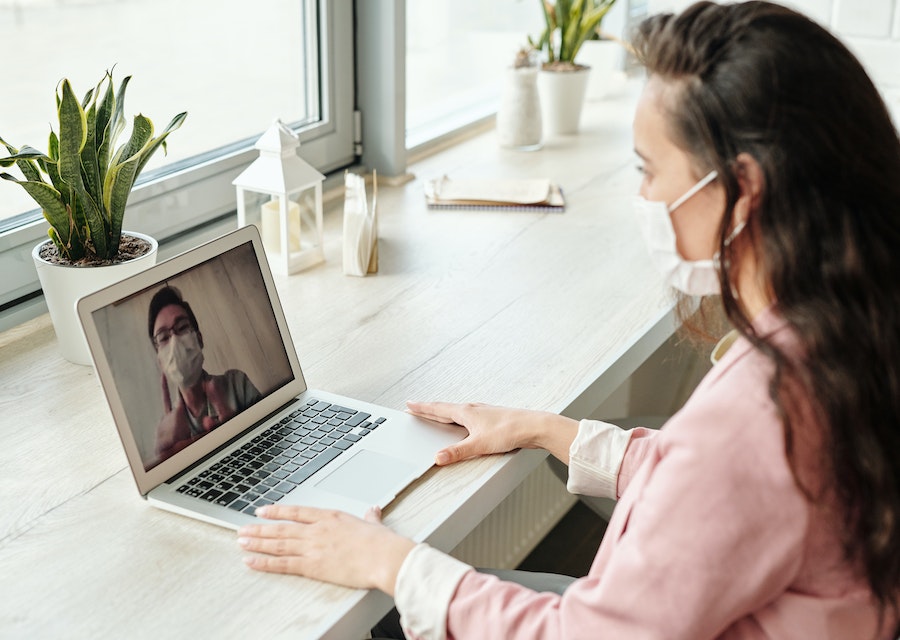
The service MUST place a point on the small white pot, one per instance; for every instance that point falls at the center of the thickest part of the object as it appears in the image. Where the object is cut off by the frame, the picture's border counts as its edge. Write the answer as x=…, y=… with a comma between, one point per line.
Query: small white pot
x=64, y=285
x=562, y=97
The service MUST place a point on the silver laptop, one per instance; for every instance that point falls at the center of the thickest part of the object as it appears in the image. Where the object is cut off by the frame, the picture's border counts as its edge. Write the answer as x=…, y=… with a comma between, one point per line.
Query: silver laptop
x=204, y=385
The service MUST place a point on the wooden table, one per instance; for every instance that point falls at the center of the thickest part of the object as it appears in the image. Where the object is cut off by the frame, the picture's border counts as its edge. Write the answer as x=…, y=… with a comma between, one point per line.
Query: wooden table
x=540, y=310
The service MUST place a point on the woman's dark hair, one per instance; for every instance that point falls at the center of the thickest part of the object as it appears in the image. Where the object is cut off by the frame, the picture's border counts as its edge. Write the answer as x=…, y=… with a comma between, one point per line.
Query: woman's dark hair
x=759, y=79
x=163, y=298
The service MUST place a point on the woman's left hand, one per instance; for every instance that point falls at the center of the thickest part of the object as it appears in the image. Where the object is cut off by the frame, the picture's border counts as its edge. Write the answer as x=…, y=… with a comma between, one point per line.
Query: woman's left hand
x=326, y=545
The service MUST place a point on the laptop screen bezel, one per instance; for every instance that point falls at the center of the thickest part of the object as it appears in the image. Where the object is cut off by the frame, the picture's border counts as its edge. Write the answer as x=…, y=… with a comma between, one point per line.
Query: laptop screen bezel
x=147, y=479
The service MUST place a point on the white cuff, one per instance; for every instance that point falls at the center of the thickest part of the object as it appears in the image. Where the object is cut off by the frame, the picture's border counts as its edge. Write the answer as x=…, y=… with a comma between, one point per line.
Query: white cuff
x=426, y=583
x=595, y=458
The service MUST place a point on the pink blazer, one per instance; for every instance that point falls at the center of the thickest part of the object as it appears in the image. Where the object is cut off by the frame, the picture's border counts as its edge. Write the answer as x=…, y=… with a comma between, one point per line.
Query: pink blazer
x=711, y=537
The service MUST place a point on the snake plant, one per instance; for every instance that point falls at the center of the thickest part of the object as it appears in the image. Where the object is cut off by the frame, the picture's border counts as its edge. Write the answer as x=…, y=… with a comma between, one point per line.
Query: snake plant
x=573, y=22
x=83, y=181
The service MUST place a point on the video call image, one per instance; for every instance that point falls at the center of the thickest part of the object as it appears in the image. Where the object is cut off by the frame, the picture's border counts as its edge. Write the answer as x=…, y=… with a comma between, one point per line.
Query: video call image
x=189, y=354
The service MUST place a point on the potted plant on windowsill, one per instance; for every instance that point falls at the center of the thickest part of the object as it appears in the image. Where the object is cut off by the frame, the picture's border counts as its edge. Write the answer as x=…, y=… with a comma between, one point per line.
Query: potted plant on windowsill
x=562, y=81
x=82, y=185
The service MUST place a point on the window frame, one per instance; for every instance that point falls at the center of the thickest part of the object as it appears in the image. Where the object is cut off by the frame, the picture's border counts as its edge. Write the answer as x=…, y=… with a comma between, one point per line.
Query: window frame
x=189, y=204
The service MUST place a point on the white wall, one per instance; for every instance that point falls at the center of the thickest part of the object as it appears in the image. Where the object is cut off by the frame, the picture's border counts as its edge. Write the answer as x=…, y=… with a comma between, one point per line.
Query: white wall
x=870, y=28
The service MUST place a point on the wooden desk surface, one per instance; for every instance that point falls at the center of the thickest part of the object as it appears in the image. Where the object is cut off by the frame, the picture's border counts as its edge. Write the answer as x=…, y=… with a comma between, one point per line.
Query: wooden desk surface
x=540, y=310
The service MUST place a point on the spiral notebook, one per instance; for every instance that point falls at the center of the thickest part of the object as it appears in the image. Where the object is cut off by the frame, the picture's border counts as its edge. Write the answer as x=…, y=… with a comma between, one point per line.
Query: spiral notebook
x=495, y=195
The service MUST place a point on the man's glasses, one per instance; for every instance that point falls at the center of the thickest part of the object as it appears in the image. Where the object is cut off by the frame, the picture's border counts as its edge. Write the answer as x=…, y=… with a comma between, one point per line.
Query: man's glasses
x=182, y=326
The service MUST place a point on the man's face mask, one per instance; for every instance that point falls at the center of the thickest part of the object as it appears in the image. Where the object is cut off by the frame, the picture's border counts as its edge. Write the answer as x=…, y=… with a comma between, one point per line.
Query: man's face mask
x=181, y=359
x=693, y=277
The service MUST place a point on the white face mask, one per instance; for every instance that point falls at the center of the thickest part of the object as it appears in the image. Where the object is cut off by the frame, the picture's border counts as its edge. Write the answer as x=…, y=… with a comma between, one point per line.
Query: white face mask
x=181, y=359
x=693, y=277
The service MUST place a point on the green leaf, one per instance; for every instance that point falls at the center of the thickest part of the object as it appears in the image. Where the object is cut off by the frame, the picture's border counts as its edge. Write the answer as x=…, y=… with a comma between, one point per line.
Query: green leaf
x=590, y=22
x=90, y=167
x=141, y=134
x=50, y=201
x=117, y=188
x=70, y=250
x=72, y=125
x=30, y=170
x=160, y=141
x=51, y=167
x=53, y=147
x=25, y=153
x=123, y=174
x=10, y=149
x=24, y=158
x=546, y=39
x=117, y=124
x=72, y=138
x=563, y=17
x=87, y=98
x=52, y=170
x=573, y=22
x=105, y=113
x=80, y=231
x=571, y=30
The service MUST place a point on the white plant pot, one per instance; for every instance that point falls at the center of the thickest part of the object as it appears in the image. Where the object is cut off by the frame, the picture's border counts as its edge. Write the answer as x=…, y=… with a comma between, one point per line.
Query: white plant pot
x=562, y=97
x=64, y=285
x=604, y=57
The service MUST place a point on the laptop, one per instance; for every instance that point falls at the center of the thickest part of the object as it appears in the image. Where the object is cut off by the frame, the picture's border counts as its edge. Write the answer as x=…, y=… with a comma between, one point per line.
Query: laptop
x=207, y=394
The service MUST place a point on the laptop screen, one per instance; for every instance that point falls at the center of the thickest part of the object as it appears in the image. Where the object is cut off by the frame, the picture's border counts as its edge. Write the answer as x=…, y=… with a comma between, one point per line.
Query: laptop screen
x=188, y=354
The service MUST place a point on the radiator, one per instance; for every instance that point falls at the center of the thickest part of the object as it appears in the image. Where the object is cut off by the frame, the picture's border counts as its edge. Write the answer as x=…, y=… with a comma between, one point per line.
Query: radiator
x=518, y=524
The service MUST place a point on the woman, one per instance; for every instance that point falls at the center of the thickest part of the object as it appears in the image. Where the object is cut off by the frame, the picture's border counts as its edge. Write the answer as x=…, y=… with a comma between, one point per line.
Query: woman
x=769, y=506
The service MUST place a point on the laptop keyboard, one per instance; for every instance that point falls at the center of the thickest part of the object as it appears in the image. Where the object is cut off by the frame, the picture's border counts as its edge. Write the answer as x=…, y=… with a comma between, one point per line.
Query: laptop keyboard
x=282, y=457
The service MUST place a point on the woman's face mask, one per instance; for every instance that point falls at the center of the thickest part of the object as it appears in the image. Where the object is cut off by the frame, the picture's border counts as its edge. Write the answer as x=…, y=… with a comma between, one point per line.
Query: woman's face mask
x=693, y=277
x=181, y=359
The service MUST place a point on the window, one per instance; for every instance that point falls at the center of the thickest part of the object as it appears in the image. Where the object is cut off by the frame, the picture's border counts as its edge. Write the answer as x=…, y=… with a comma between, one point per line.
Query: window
x=456, y=51
x=233, y=66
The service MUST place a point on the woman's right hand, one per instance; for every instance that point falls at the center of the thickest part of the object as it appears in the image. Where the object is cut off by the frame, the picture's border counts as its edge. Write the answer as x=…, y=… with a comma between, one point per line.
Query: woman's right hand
x=498, y=429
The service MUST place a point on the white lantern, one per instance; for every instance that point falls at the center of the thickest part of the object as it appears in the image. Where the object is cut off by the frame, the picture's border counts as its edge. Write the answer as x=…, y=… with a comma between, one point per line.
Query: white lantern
x=282, y=195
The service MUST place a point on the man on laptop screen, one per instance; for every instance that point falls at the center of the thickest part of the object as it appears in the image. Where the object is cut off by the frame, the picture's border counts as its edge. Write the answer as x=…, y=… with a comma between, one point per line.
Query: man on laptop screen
x=170, y=396
x=203, y=401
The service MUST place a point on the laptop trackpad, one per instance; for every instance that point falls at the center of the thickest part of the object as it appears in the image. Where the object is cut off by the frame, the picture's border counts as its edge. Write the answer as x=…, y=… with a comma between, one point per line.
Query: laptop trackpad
x=368, y=477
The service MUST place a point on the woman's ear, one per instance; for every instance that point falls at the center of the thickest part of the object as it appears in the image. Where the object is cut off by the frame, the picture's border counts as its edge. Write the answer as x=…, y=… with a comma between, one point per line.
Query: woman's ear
x=751, y=181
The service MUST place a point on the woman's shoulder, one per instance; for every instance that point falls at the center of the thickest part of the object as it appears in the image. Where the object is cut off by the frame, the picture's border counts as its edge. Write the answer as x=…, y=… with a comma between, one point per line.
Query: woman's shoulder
x=731, y=422
x=742, y=374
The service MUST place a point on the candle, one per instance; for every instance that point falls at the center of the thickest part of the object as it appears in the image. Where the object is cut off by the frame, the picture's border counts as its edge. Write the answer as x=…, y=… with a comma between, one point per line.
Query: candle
x=271, y=226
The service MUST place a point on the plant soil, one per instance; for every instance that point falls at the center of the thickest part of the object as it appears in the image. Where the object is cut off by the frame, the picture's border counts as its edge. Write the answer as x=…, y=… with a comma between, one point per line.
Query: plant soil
x=130, y=247
x=560, y=65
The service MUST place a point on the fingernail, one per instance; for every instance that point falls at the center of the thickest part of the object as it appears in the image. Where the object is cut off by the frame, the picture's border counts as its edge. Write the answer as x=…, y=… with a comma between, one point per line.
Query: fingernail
x=442, y=457
x=243, y=541
x=261, y=512
x=373, y=512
